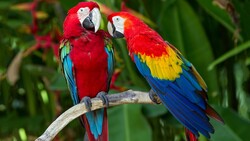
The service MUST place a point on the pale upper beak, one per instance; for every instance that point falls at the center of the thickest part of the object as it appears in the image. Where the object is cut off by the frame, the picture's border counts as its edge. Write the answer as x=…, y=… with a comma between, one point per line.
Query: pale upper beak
x=113, y=31
x=93, y=20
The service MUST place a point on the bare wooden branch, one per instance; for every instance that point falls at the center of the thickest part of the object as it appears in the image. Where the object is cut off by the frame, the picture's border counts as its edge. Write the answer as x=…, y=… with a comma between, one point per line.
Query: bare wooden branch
x=127, y=97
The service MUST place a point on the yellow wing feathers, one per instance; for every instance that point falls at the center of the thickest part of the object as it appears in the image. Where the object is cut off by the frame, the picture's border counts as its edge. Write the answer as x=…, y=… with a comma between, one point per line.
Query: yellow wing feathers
x=166, y=66
x=194, y=71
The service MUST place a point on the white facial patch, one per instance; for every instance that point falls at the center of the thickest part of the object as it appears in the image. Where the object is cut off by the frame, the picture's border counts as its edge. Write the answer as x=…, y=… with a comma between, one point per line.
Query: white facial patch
x=119, y=23
x=82, y=13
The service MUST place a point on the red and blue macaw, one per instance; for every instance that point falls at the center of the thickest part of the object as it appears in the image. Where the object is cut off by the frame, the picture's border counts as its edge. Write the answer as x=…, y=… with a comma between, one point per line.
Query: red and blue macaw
x=173, y=79
x=86, y=56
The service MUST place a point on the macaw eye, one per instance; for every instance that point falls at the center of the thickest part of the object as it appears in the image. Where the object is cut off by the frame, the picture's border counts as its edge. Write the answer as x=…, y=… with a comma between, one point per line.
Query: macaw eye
x=117, y=19
x=83, y=10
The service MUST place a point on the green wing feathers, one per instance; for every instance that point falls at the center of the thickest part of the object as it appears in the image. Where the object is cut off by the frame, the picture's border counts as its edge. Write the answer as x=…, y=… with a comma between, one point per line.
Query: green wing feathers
x=111, y=61
x=67, y=68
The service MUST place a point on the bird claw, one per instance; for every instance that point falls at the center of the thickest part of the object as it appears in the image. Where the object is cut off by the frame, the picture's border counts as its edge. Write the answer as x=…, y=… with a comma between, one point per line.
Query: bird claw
x=103, y=96
x=87, y=101
x=153, y=96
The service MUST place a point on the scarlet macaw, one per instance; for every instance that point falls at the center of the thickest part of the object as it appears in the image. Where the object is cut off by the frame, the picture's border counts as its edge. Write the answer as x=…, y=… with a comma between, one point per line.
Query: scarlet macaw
x=86, y=56
x=172, y=77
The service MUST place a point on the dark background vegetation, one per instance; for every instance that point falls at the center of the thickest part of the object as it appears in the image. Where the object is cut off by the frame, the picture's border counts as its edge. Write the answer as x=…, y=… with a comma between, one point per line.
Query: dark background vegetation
x=213, y=34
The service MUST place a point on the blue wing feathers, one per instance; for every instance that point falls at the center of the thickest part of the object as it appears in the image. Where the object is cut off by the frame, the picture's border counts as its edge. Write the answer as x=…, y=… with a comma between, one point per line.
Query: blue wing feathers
x=142, y=67
x=180, y=97
x=110, y=60
x=67, y=65
x=184, y=100
x=200, y=115
x=68, y=73
x=180, y=116
x=189, y=90
x=185, y=61
x=183, y=112
x=192, y=80
x=95, y=118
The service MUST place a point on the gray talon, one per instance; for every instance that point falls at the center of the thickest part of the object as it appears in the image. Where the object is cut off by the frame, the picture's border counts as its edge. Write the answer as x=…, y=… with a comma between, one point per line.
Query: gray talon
x=87, y=101
x=103, y=96
x=153, y=96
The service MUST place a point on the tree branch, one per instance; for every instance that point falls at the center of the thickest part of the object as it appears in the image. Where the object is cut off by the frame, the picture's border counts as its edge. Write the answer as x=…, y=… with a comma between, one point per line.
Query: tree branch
x=127, y=97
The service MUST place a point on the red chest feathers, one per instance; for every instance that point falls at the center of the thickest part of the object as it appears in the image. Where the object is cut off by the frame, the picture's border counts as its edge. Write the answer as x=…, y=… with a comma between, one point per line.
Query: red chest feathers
x=90, y=65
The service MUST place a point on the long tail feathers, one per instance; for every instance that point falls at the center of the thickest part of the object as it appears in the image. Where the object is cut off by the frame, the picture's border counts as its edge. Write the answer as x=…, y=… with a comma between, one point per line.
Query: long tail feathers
x=213, y=114
x=104, y=133
x=190, y=136
x=104, y=136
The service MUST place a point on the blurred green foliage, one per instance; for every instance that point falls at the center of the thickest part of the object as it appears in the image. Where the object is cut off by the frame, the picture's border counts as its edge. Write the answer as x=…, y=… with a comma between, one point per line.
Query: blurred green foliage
x=213, y=35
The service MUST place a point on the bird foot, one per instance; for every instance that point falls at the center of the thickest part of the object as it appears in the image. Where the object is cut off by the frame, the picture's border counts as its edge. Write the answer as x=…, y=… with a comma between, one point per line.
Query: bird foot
x=87, y=101
x=103, y=96
x=153, y=96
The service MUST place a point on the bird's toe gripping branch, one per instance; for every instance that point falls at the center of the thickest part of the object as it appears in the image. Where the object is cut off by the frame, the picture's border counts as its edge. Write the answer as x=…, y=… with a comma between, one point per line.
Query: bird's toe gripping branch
x=153, y=96
x=103, y=96
x=87, y=101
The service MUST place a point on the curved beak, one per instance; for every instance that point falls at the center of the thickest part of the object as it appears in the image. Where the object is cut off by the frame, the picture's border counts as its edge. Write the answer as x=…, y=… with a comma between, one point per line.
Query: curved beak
x=93, y=20
x=113, y=32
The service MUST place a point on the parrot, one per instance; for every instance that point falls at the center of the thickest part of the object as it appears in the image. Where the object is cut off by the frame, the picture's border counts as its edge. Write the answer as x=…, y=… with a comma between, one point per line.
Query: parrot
x=87, y=62
x=174, y=80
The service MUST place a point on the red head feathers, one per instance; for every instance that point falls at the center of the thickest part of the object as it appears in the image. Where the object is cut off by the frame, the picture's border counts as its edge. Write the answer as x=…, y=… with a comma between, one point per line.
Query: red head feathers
x=84, y=17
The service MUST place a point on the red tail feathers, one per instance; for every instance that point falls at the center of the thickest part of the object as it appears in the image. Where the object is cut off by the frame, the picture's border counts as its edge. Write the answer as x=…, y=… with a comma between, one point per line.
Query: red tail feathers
x=213, y=114
x=190, y=136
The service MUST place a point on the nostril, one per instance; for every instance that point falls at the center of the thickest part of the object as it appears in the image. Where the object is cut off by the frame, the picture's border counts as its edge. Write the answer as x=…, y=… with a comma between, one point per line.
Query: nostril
x=90, y=15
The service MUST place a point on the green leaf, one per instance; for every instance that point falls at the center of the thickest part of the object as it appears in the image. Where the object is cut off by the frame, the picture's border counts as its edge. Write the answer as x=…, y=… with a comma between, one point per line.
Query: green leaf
x=235, y=129
x=170, y=27
x=217, y=13
x=10, y=123
x=127, y=123
x=229, y=54
x=68, y=4
x=5, y=5
x=223, y=132
x=197, y=47
x=241, y=74
x=58, y=82
x=153, y=110
x=184, y=30
x=243, y=10
x=40, y=70
x=29, y=86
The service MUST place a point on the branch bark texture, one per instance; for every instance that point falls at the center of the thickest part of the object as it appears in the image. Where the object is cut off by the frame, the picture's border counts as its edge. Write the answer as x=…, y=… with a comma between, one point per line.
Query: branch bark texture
x=127, y=97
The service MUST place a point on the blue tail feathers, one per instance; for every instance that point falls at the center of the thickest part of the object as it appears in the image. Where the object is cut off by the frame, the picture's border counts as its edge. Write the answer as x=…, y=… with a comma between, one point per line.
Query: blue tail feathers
x=95, y=120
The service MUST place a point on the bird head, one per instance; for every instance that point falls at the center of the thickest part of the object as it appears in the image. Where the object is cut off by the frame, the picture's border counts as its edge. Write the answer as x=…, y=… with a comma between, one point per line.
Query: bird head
x=122, y=24
x=85, y=15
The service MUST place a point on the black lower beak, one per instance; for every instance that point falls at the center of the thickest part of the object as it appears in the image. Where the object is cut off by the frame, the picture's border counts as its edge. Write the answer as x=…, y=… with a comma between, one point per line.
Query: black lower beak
x=88, y=24
x=116, y=34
